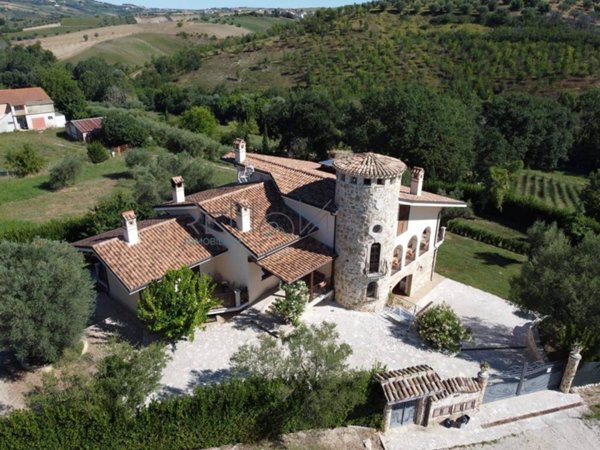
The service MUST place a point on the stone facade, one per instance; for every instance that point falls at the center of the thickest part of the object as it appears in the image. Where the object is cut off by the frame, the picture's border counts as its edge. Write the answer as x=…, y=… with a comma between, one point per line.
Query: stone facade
x=366, y=218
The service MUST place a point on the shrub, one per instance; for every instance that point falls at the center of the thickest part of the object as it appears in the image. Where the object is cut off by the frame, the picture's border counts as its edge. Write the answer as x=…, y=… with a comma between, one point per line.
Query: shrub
x=46, y=298
x=179, y=303
x=70, y=230
x=200, y=119
x=97, y=153
x=291, y=307
x=122, y=128
x=441, y=328
x=66, y=172
x=137, y=157
x=26, y=161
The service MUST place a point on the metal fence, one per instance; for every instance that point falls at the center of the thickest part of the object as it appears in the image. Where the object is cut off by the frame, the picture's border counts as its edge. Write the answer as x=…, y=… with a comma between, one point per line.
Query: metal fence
x=588, y=373
x=524, y=379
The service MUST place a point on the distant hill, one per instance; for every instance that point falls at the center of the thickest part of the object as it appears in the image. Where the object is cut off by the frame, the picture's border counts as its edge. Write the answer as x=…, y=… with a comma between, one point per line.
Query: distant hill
x=23, y=13
x=479, y=45
x=65, y=7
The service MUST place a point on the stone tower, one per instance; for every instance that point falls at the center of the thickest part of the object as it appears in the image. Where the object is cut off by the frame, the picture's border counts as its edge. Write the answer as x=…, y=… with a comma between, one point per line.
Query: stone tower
x=366, y=195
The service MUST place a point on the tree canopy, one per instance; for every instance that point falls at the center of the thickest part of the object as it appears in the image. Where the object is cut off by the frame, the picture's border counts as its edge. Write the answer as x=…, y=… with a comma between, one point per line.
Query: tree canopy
x=46, y=298
x=417, y=124
x=561, y=280
x=178, y=304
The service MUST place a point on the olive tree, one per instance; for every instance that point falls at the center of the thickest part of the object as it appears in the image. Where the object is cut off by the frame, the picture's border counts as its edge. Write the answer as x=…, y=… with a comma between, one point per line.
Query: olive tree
x=46, y=298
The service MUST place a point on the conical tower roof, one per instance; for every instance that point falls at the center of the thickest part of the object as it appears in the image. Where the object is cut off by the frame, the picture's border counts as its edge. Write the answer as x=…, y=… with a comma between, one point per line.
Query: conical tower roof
x=369, y=165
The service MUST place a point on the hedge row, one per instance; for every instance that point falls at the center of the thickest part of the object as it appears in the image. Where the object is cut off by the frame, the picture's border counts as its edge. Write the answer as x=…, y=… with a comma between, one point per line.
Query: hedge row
x=69, y=230
x=464, y=228
x=215, y=415
x=178, y=140
x=171, y=137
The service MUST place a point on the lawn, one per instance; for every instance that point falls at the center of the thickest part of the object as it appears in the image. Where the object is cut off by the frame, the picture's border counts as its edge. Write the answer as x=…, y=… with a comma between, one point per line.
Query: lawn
x=51, y=144
x=558, y=189
x=477, y=264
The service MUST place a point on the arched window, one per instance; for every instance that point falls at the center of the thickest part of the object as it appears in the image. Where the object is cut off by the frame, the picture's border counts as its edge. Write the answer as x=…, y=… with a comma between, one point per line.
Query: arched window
x=372, y=289
x=425, y=240
x=411, y=251
x=374, y=257
x=397, y=258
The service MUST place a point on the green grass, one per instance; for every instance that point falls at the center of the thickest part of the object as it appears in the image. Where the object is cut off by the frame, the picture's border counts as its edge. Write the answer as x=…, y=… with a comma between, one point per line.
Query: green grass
x=477, y=264
x=133, y=50
x=558, y=189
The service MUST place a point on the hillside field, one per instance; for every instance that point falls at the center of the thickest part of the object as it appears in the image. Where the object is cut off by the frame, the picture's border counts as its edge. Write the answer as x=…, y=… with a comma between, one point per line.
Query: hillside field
x=67, y=46
x=558, y=189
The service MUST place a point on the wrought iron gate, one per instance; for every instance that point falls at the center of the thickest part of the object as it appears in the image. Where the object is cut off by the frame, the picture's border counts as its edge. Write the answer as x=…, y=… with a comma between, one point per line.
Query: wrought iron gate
x=524, y=379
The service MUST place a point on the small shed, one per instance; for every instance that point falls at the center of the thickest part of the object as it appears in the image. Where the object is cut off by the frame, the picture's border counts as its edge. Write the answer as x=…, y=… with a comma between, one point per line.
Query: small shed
x=417, y=395
x=84, y=129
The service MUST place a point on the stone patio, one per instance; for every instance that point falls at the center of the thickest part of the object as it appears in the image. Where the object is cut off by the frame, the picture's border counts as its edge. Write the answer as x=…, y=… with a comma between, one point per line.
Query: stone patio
x=376, y=338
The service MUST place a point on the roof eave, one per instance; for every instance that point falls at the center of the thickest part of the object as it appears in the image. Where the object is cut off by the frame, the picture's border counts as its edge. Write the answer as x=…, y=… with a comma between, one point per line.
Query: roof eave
x=432, y=204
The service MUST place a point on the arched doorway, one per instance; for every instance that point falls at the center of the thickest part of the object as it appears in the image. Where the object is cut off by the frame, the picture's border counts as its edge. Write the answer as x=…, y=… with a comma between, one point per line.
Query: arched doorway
x=403, y=287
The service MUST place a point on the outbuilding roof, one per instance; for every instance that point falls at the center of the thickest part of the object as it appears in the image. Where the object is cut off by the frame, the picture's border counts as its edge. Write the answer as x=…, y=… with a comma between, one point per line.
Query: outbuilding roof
x=369, y=165
x=421, y=381
x=24, y=96
x=87, y=125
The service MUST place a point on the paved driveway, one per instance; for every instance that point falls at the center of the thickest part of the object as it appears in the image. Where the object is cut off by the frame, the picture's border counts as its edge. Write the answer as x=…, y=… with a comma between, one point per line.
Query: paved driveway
x=375, y=338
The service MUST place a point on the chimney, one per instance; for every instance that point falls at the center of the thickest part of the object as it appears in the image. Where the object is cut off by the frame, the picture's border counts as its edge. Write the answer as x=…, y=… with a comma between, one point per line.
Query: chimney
x=178, y=189
x=416, y=180
x=130, y=227
x=242, y=216
x=240, y=150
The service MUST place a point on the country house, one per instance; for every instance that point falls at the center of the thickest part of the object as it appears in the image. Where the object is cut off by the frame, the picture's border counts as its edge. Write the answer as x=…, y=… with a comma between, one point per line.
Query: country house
x=347, y=227
x=28, y=109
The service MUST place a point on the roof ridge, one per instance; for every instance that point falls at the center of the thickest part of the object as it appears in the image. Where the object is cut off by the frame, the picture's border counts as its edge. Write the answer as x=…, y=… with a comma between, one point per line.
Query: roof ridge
x=305, y=171
x=140, y=230
x=245, y=187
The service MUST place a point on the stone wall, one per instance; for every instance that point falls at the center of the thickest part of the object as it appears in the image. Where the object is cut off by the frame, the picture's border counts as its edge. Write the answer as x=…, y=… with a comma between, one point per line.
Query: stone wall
x=361, y=208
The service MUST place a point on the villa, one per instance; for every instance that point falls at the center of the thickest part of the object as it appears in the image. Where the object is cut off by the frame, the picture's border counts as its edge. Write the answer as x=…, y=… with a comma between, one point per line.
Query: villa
x=28, y=109
x=346, y=227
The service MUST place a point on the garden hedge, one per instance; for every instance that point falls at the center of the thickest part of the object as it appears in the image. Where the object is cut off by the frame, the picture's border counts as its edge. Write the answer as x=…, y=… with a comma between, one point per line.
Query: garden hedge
x=214, y=415
x=464, y=228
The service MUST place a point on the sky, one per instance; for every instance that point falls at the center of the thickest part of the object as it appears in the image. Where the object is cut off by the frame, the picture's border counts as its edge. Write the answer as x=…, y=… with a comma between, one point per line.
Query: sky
x=202, y=4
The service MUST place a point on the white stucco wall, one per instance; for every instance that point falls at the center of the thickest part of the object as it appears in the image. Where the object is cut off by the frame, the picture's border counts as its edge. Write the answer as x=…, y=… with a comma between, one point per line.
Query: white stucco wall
x=319, y=217
x=7, y=120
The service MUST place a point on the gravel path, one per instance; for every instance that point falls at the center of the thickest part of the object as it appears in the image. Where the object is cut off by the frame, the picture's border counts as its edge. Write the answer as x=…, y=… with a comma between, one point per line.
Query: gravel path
x=375, y=338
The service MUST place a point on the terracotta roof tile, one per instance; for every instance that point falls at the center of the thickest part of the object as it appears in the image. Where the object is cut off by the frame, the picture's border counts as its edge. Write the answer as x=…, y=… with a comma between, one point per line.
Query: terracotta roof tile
x=167, y=244
x=369, y=165
x=24, y=96
x=116, y=233
x=273, y=224
x=427, y=197
x=410, y=383
x=305, y=181
x=297, y=260
x=420, y=381
x=87, y=125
